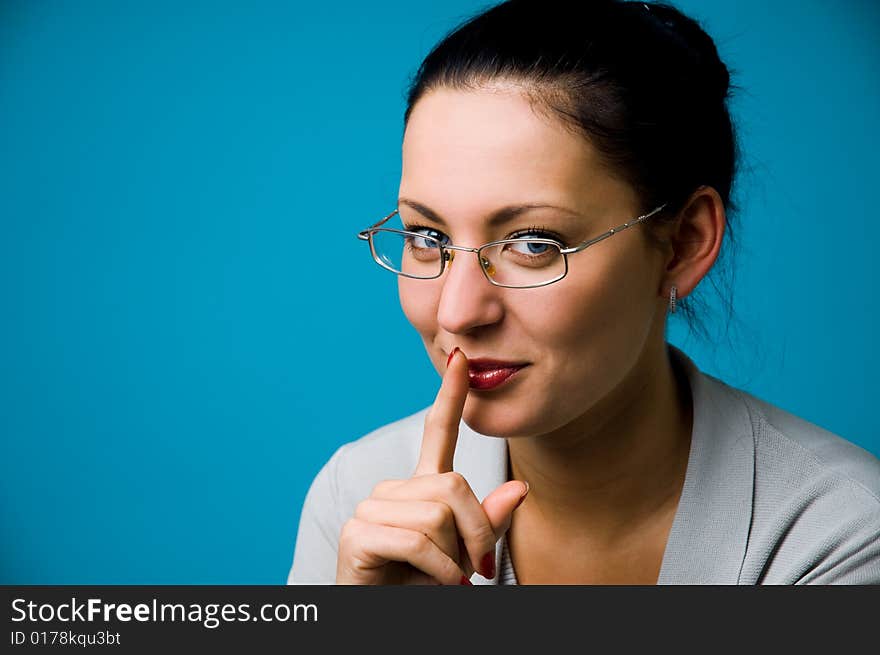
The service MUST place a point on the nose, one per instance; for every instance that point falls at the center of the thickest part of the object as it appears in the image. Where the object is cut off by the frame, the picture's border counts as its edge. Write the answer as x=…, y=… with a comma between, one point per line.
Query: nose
x=468, y=300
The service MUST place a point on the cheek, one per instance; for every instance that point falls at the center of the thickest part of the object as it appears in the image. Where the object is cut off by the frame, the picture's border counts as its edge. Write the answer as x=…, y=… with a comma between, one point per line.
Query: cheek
x=419, y=300
x=597, y=318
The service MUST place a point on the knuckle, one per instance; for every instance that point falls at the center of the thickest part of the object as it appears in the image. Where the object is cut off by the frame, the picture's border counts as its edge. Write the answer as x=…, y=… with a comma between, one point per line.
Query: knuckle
x=440, y=515
x=382, y=488
x=348, y=534
x=363, y=508
x=417, y=542
x=455, y=482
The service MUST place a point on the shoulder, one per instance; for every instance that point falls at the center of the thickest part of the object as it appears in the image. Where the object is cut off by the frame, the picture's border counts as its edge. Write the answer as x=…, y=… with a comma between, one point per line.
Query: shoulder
x=796, y=453
x=788, y=501
x=390, y=449
x=816, y=502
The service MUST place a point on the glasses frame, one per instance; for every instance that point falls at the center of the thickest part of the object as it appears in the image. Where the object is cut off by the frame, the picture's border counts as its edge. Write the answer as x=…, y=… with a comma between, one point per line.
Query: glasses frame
x=447, y=252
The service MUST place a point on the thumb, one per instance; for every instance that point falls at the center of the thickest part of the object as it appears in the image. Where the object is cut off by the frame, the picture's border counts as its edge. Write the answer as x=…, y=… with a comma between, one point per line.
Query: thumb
x=500, y=504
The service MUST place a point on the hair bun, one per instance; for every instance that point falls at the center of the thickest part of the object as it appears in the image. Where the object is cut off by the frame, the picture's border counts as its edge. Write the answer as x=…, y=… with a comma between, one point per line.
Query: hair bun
x=698, y=47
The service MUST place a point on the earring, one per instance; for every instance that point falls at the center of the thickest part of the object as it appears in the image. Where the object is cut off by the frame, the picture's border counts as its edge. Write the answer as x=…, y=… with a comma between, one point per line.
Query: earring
x=673, y=296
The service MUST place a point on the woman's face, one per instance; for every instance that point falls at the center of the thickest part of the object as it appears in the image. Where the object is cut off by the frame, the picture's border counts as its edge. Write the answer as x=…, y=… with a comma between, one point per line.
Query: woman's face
x=468, y=154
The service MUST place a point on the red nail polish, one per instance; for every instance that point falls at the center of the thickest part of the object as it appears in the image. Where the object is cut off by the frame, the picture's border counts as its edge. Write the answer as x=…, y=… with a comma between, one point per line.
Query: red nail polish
x=464, y=580
x=487, y=565
x=451, y=355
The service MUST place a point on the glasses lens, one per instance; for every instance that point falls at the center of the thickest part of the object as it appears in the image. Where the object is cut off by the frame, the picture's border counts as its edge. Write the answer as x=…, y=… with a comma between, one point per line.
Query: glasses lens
x=411, y=254
x=523, y=262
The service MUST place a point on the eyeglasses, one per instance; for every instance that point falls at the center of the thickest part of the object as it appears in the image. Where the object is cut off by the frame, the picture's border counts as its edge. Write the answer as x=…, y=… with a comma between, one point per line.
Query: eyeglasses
x=521, y=263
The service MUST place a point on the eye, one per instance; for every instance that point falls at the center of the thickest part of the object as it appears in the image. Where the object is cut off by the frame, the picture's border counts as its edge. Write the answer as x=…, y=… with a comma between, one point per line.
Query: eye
x=521, y=252
x=416, y=242
x=530, y=247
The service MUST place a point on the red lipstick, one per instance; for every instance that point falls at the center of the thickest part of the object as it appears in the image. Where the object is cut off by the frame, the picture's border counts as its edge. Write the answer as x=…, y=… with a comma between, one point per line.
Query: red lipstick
x=490, y=373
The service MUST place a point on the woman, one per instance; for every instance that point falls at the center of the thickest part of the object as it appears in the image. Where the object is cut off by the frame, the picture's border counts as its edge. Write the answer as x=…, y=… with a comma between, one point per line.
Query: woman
x=566, y=183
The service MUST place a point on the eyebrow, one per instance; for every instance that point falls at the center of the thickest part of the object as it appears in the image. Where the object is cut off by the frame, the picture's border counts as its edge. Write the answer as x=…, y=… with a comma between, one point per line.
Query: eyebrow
x=498, y=217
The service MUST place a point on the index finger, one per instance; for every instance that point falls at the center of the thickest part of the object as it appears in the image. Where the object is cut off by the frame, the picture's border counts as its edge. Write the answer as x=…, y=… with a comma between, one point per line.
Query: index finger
x=441, y=423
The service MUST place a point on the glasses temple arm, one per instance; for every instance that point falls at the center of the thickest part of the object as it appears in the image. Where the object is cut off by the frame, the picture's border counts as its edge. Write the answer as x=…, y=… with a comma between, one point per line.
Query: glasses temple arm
x=612, y=231
x=364, y=234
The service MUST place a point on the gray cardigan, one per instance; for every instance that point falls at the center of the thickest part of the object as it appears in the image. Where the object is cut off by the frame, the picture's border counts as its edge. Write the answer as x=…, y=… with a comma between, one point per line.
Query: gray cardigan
x=768, y=498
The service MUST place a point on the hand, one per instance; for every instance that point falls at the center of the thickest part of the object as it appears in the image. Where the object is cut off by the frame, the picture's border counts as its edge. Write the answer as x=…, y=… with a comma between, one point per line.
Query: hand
x=430, y=528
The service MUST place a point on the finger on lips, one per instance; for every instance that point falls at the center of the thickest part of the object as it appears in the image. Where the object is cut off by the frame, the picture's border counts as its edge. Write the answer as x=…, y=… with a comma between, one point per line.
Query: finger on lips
x=442, y=420
x=411, y=511
x=436, y=457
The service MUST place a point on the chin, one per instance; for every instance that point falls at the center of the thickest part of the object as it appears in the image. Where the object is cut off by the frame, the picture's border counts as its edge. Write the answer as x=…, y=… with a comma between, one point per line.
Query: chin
x=498, y=419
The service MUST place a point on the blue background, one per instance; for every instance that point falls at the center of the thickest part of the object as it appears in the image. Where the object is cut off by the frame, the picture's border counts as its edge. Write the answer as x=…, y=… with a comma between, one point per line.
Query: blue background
x=180, y=355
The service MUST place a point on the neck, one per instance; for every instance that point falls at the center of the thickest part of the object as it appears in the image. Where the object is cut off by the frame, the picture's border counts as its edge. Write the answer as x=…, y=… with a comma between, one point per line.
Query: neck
x=620, y=463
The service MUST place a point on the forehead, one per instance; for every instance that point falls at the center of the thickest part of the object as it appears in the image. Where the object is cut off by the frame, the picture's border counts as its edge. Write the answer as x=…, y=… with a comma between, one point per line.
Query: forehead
x=491, y=145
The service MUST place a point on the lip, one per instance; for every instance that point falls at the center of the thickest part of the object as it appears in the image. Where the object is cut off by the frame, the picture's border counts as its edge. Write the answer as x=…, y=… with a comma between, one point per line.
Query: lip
x=484, y=374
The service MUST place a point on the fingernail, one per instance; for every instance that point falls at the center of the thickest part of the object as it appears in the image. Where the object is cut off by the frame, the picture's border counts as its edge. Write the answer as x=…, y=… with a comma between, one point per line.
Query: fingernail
x=464, y=580
x=451, y=355
x=523, y=497
x=487, y=565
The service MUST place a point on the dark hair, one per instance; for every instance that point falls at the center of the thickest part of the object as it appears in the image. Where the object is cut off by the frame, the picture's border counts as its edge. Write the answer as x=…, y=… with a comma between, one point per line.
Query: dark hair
x=643, y=82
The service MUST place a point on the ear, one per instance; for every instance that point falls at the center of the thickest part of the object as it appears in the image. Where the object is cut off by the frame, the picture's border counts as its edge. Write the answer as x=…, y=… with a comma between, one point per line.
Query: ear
x=695, y=242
